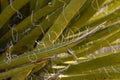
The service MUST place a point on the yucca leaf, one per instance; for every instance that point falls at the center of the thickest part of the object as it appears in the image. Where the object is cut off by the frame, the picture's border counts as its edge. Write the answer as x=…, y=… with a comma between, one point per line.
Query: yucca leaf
x=110, y=72
x=86, y=15
x=107, y=9
x=93, y=76
x=105, y=38
x=95, y=64
x=32, y=5
x=12, y=72
x=106, y=32
x=41, y=3
x=62, y=32
x=9, y=11
x=28, y=41
x=104, y=42
x=46, y=52
x=110, y=14
x=26, y=23
x=21, y=69
x=105, y=21
x=4, y=4
x=62, y=21
x=22, y=75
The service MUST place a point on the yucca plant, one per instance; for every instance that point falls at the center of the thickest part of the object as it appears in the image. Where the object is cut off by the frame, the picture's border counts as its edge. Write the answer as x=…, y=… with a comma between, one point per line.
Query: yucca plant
x=59, y=39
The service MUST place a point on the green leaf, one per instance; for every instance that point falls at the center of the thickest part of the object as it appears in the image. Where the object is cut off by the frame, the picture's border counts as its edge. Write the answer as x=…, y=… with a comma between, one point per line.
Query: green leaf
x=10, y=11
x=92, y=44
x=93, y=76
x=38, y=54
x=21, y=75
x=27, y=68
x=12, y=72
x=87, y=14
x=40, y=4
x=95, y=64
x=4, y=4
x=28, y=41
x=62, y=21
x=26, y=23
